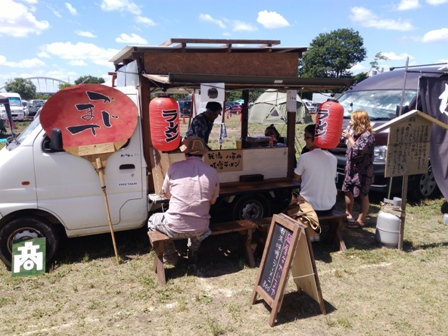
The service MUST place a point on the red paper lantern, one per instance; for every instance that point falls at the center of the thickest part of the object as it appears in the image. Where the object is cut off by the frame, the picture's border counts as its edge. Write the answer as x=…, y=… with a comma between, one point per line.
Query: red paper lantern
x=164, y=123
x=329, y=120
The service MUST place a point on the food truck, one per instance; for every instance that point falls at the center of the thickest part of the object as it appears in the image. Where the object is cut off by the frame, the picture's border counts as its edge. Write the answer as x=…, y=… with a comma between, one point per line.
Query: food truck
x=46, y=191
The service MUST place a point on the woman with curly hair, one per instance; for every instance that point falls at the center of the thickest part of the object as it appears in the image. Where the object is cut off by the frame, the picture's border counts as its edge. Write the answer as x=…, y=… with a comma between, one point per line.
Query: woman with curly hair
x=359, y=166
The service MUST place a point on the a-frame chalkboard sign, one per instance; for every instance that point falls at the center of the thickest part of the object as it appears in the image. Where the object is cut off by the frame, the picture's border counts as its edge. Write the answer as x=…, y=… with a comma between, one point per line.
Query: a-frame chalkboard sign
x=287, y=248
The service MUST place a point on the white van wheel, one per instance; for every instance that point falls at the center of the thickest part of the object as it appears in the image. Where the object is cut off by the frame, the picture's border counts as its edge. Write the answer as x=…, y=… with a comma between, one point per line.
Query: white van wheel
x=25, y=228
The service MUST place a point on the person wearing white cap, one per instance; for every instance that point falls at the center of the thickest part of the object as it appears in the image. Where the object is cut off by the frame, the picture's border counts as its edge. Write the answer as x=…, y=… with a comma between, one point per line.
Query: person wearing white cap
x=202, y=124
x=192, y=186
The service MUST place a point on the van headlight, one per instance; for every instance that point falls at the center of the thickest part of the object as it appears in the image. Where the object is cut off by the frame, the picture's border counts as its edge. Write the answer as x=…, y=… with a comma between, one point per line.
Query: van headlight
x=379, y=153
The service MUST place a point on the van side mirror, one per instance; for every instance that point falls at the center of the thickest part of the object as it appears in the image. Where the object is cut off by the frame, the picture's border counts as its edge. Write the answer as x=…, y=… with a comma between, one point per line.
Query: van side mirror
x=56, y=140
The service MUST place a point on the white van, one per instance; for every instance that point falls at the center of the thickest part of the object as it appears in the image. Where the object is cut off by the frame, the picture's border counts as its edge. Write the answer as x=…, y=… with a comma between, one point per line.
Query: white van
x=15, y=102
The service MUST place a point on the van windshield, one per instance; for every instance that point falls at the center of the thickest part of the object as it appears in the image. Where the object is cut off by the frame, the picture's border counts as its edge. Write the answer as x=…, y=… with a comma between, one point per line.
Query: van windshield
x=13, y=101
x=22, y=136
x=379, y=104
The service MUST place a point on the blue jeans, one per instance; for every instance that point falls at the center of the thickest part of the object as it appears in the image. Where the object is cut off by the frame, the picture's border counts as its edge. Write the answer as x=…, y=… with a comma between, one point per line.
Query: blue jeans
x=157, y=222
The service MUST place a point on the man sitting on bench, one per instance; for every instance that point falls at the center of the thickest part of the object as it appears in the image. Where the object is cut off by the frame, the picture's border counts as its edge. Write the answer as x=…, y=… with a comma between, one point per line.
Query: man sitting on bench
x=192, y=187
x=316, y=172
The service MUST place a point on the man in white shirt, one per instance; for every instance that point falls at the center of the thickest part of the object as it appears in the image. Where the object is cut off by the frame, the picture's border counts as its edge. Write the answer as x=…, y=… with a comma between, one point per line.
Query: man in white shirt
x=316, y=172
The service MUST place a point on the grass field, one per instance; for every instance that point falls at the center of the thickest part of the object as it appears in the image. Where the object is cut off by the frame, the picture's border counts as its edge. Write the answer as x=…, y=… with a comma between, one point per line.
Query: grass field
x=369, y=290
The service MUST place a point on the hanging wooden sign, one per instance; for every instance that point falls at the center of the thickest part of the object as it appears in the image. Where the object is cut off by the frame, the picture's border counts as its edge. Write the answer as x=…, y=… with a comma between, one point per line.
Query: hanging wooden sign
x=287, y=248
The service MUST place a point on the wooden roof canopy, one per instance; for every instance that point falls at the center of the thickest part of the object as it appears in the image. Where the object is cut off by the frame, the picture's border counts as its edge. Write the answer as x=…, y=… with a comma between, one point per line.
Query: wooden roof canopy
x=240, y=64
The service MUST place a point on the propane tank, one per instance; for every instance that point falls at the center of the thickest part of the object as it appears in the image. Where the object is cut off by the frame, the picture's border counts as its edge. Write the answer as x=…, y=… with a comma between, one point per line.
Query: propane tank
x=388, y=223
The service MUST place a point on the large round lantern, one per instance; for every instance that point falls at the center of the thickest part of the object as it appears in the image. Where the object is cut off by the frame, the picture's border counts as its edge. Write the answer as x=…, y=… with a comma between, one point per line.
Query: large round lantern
x=329, y=120
x=164, y=123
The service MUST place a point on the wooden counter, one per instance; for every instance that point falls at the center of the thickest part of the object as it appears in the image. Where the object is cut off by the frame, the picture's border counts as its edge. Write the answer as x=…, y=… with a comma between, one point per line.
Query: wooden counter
x=235, y=188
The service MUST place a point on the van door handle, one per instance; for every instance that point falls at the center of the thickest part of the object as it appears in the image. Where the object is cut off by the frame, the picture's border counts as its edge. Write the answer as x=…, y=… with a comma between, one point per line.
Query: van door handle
x=127, y=166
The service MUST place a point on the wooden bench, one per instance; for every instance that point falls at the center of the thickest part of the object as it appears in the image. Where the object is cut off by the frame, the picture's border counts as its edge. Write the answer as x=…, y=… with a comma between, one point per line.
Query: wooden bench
x=335, y=221
x=243, y=226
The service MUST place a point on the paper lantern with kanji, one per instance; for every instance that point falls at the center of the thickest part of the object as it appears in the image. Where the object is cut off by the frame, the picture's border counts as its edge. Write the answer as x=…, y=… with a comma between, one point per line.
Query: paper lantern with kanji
x=329, y=120
x=164, y=123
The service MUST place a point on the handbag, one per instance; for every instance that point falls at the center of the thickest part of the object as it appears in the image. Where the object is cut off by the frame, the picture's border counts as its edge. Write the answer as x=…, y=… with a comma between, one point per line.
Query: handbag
x=300, y=209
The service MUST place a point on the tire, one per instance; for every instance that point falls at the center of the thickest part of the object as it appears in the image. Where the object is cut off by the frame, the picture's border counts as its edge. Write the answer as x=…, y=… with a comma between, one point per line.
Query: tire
x=423, y=186
x=251, y=206
x=23, y=229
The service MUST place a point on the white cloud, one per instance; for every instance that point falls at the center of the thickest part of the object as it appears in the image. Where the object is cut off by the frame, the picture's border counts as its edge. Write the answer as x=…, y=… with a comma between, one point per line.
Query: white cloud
x=80, y=51
x=84, y=33
x=436, y=2
x=43, y=55
x=26, y=63
x=208, y=18
x=18, y=21
x=271, y=20
x=144, y=20
x=391, y=56
x=408, y=4
x=242, y=26
x=367, y=18
x=55, y=12
x=440, y=35
x=2, y=59
x=78, y=63
x=71, y=9
x=120, y=5
x=132, y=39
x=357, y=68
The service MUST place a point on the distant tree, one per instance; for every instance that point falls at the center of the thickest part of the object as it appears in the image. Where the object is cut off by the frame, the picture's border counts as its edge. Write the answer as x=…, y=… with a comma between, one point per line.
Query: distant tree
x=333, y=54
x=360, y=77
x=374, y=65
x=24, y=87
x=233, y=95
x=42, y=96
x=89, y=80
x=64, y=85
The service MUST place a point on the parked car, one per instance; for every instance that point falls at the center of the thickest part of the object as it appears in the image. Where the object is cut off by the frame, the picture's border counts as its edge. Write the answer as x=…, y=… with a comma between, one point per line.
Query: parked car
x=311, y=106
x=234, y=108
x=34, y=105
x=25, y=107
x=380, y=96
x=185, y=107
x=15, y=104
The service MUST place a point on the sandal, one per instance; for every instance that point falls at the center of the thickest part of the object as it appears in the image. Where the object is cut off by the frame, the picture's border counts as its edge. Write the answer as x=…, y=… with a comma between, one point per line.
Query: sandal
x=355, y=225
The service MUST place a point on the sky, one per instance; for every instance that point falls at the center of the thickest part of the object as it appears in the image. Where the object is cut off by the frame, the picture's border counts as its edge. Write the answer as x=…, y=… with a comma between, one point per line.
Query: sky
x=67, y=40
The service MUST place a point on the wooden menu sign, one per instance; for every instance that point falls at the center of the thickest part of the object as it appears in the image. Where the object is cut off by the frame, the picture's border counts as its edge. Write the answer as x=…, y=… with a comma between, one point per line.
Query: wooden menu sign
x=288, y=248
x=408, y=147
x=225, y=160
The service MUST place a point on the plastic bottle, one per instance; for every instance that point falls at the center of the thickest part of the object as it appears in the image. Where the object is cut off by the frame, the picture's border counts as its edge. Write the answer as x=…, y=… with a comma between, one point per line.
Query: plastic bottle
x=271, y=141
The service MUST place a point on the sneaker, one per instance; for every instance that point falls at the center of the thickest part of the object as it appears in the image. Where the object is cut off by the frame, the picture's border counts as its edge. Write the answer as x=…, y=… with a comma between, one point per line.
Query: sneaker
x=315, y=238
x=171, y=259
